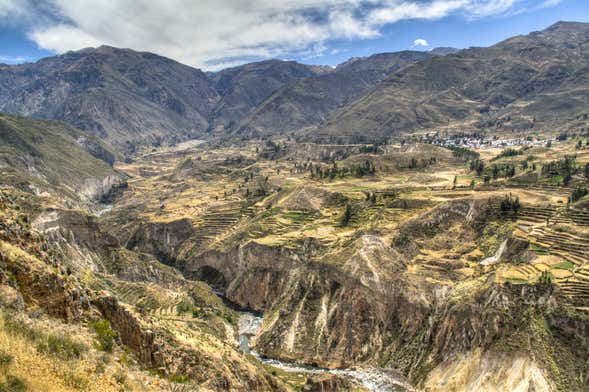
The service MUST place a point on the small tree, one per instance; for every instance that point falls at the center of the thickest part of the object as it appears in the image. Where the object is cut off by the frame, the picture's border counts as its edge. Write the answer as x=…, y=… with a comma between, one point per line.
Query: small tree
x=347, y=215
x=105, y=335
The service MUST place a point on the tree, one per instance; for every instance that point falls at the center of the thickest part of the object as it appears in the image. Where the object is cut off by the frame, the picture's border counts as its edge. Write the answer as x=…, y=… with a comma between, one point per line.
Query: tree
x=495, y=171
x=347, y=215
x=577, y=194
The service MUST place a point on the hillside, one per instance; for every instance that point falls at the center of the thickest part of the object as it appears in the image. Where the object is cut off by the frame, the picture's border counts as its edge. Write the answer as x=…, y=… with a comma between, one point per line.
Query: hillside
x=309, y=101
x=538, y=81
x=118, y=95
x=53, y=156
x=245, y=87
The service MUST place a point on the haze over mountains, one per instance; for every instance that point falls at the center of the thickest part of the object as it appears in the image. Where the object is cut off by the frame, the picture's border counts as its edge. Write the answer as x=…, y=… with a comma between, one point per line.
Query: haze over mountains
x=128, y=98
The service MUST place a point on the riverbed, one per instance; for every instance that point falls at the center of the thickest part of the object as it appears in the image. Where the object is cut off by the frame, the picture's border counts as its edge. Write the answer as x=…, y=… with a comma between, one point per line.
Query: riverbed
x=373, y=379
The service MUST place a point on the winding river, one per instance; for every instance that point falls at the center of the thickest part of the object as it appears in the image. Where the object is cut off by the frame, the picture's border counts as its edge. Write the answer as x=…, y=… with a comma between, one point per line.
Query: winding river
x=373, y=379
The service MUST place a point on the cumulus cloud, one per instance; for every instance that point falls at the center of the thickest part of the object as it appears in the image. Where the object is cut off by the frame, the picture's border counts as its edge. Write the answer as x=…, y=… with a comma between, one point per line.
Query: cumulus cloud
x=213, y=33
x=420, y=42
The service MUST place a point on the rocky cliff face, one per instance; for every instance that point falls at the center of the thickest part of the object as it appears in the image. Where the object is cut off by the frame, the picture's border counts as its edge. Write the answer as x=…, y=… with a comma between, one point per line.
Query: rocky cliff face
x=161, y=239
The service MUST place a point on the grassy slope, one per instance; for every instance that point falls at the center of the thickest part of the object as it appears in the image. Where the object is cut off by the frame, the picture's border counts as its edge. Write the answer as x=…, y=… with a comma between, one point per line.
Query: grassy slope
x=47, y=154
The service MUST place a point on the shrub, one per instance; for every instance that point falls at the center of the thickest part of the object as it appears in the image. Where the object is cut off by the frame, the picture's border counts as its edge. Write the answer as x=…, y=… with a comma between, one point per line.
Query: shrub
x=105, y=335
x=13, y=384
x=16, y=327
x=578, y=193
x=545, y=278
x=61, y=346
x=75, y=380
x=183, y=307
x=347, y=215
x=120, y=377
x=5, y=361
x=401, y=240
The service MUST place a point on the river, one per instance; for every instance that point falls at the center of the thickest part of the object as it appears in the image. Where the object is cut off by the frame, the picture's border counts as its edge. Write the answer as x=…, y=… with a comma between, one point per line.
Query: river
x=373, y=379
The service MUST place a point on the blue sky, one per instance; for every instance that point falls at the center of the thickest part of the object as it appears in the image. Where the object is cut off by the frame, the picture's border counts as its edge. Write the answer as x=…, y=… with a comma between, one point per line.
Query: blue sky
x=213, y=34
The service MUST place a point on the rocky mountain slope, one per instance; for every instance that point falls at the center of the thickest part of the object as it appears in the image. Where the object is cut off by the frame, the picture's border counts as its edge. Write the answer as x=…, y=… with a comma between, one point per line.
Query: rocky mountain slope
x=118, y=95
x=308, y=101
x=245, y=87
x=129, y=98
x=537, y=81
x=51, y=156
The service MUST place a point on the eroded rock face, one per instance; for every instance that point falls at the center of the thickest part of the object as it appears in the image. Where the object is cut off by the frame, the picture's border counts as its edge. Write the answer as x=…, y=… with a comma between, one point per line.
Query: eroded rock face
x=95, y=188
x=40, y=286
x=161, y=239
x=317, y=313
x=364, y=305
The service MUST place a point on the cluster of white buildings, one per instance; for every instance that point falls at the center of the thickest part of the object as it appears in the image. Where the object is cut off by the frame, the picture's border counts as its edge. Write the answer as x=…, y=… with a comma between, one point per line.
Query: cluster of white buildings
x=487, y=142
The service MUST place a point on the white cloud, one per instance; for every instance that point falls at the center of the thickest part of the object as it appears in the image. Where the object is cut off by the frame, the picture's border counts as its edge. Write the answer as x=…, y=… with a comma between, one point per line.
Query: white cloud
x=52, y=38
x=207, y=33
x=420, y=42
x=12, y=59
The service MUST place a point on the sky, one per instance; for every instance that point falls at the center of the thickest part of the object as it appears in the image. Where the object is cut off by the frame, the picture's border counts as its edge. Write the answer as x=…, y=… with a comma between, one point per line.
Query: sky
x=216, y=34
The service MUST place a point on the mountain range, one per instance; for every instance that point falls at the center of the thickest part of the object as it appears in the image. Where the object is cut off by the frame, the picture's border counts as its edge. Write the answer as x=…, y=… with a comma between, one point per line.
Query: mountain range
x=129, y=98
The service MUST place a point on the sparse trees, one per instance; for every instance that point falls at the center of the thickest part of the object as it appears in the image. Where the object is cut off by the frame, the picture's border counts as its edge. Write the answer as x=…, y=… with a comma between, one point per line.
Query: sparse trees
x=510, y=203
x=347, y=216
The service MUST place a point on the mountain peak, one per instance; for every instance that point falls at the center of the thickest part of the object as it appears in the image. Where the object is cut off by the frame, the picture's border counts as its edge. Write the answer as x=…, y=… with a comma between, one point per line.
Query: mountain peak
x=566, y=25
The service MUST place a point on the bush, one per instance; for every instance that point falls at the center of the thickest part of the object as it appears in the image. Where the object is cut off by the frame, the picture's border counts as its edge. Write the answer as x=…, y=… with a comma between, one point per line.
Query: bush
x=545, y=278
x=13, y=384
x=5, y=361
x=183, y=307
x=347, y=215
x=120, y=377
x=16, y=327
x=75, y=379
x=105, y=335
x=401, y=240
x=61, y=346
x=578, y=193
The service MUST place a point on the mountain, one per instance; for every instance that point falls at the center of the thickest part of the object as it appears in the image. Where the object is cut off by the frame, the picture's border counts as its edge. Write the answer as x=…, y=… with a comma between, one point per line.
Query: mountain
x=537, y=81
x=119, y=95
x=245, y=87
x=308, y=101
x=52, y=156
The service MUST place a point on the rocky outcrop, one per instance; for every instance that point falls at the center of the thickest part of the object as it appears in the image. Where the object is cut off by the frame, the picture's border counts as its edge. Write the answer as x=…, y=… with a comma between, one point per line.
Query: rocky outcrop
x=161, y=239
x=95, y=189
x=40, y=286
x=366, y=305
x=96, y=149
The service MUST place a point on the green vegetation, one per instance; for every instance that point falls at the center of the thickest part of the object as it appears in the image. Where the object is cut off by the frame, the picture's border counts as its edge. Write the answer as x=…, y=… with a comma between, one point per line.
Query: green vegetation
x=508, y=152
x=577, y=194
x=347, y=216
x=61, y=346
x=13, y=384
x=510, y=204
x=5, y=361
x=545, y=278
x=105, y=335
